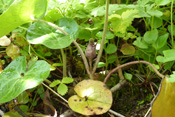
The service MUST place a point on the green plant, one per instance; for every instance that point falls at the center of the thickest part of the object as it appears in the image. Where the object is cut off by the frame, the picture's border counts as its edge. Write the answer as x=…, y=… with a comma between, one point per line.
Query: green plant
x=62, y=88
x=19, y=77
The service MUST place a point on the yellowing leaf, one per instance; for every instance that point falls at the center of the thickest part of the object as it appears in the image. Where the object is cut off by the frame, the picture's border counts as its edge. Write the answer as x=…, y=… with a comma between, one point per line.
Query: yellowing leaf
x=164, y=104
x=127, y=49
x=120, y=23
x=93, y=98
x=13, y=51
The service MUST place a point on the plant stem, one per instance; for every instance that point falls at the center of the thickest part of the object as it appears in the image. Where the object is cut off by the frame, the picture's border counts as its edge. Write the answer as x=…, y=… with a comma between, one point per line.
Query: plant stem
x=103, y=38
x=39, y=55
x=54, y=92
x=132, y=63
x=115, y=113
x=172, y=24
x=90, y=64
x=64, y=63
x=84, y=59
x=118, y=86
x=120, y=74
x=74, y=42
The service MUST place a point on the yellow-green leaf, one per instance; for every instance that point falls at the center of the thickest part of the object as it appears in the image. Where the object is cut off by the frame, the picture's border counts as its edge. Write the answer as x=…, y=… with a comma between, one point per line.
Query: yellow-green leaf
x=93, y=98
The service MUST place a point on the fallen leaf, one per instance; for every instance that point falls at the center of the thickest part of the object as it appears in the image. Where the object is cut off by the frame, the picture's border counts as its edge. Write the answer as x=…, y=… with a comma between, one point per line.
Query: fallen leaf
x=48, y=108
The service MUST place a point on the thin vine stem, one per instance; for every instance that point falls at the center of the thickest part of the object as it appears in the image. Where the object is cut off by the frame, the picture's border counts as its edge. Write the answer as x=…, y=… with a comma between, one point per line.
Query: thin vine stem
x=103, y=38
x=172, y=24
x=55, y=92
x=132, y=63
x=84, y=58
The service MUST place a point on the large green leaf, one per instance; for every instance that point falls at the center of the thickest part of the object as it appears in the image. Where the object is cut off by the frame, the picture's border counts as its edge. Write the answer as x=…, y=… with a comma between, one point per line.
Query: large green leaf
x=17, y=77
x=20, y=12
x=93, y=98
x=41, y=33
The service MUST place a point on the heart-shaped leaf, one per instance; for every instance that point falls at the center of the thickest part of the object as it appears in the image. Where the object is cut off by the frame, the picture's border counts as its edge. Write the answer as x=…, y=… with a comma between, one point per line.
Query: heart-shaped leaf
x=93, y=98
x=17, y=77
x=127, y=49
x=40, y=33
x=20, y=12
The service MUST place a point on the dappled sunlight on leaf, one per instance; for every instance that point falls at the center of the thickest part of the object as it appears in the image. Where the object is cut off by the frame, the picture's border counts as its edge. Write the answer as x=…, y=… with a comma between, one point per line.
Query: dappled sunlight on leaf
x=87, y=92
x=41, y=33
x=17, y=79
x=93, y=98
x=19, y=13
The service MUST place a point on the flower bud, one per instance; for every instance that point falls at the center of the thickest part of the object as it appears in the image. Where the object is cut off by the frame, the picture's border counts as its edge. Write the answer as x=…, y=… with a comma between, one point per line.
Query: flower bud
x=91, y=49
